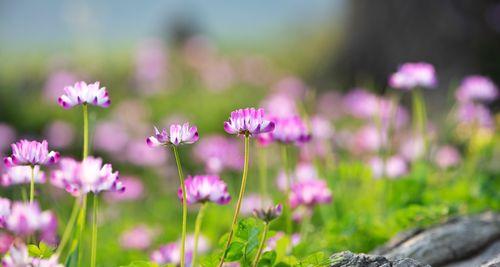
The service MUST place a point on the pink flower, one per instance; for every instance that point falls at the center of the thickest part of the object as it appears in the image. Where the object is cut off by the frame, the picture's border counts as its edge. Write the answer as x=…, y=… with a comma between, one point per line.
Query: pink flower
x=178, y=135
x=25, y=219
x=367, y=139
x=169, y=254
x=360, y=103
x=303, y=171
x=475, y=115
x=412, y=148
x=139, y=237
x=321, y=128
x=268, y=213
x=21, y=175
x=90, y=175
x=219, y=153
x=447, y=156
x=18, y=256
x=82, y=94
x=309, y=193
x=476, y=88
x=151, y=66
x=139, y=154
x=5, y=210
x=393, y=167
x=60, y=134
x=291, y=130
x=280, y=105
x=135, y=190
x=248, y=121
x=110, y=136
x=27, y=152
x=203, y=188
x=252, y=202
x=5, y=242
x=411, y=75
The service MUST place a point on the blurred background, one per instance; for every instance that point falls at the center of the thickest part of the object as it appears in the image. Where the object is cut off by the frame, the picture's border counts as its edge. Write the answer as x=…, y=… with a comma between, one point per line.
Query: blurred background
x=172, y=61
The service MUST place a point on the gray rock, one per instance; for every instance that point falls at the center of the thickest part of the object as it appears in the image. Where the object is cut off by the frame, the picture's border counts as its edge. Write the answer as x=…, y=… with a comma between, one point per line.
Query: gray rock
x=349, y=259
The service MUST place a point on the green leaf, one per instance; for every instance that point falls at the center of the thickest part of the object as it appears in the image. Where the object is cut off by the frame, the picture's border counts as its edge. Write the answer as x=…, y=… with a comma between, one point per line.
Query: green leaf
x=246, y=227
x=34, y=251
x=141, y=264
x=42, y=251
x=267, y=259
x=211, y=260
x=316, y=259
x=235, y=251
x=282, y=246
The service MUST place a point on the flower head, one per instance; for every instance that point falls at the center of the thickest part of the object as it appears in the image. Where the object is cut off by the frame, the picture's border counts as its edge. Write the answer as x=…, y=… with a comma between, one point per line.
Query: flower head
x=178, y=135
x=310, y=193
x=411, y=75
x=89, y=175
x=82, y=94
x=291, y=130
x=25, y=219
x=269, y=213
x=203, y=188
x=21, y=175
x=447, y=156
x=248, y=121
x=476, y=88
x=254, y=201
x=27, y=152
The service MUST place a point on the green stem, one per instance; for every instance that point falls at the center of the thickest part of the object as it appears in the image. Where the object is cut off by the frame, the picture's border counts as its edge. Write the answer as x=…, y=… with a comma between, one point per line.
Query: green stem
x=306, y=223
x=262, y=243
x=197, y=228
x=85, y=131
x=69, y=227
x=288, y=211
x=32, y=184
x=240, y=198
x=419, y=116
x=93, y=252
x=82, y=216
x=184, y=206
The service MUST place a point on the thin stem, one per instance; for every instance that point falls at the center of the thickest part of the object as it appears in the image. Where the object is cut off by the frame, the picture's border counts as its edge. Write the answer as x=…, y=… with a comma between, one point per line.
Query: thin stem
x=288, y=216
x=184, y=206
x=32, y=184
x=240, y=198
x=69, y=227
x=262, y=243
x=419, y=116
x=81, y=227
x=197, y=228
x=306, y=223
x=93, y=252
x=85, y=131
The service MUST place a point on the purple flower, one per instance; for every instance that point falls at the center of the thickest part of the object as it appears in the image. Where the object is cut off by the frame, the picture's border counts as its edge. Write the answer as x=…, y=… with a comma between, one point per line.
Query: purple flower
x=203, y=188
x=248, y=121
x=219, y=153
x=25, y=219
x=21, y=175
x=393, y=167
x=269, y=213
x=27, y=152
x=18, y=256
x=89, y=175
x=476, y=88
x=6, y=241
x=447, y=156
x=178, y=135
x=310, y=193
x=475, y=115
x=291, y=130
x=4, y=211
x=139, y=237
x=411, y=75
x=82, y=94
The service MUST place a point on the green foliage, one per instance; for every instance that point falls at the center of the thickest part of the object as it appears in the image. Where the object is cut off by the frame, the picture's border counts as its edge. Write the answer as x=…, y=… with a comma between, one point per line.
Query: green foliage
x=43, y=250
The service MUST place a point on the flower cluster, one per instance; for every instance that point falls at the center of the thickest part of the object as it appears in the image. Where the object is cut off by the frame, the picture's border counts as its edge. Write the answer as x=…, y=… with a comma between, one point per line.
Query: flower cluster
x=178, y=135
x=203, y=188
x=291, y=130
x=411, y=75
x=31, y=153
x=21, y=175
x=248, y=121
x=89, y=175
x=82, y=93
x=25, y=219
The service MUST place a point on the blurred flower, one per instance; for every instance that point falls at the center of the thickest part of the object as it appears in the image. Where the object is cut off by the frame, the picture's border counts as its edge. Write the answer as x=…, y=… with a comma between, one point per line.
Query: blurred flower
x=291, y=86
x=217, y=75
x=18, y=256
x=89, y=175
x=26, y=152
x=135, y=190
x=203, y=244
x=56, y=82
x=6, y=241
x=303, y=171
x=203, y=188
x=367, y=139
x=411, y=75
x=310, y=193
x=151, y=66
x=170, y=254
x=139, y=154
x=110, y=136
x=219, y=153
x=447, y=156
x=394, y=167
x=391, y=115
x=300, y=213
x=473, y=114
x=178, y=135
x=279, y=105
x=412, y=148
x=321, y=128
x=268, y=213
x=254, y=201
x=21, y=175
x=291, y=130
x=360, y=103
x=4, y=211
x=329, y=103
x=25, y=219
x=249, y=121
x=139, y=237
x=81, y=94
x=476, y=88
x=272, y=242
x=60, y=134
x=7, y=135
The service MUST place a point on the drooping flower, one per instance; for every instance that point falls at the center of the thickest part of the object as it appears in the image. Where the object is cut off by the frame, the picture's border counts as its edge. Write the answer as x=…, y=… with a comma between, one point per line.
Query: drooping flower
x=89, y=175
x=203, y=188
x=476, y=88
x=291, y=130
x=268, y=213
x=18, y=256
x=82, y=93
x=219, y=153
x=139, y=237
x=178, y=135
x=31, y=153
x=411, y=75
x=447, y=156
x=4, y=211
x=21, y=175
x=25, y=219
x=254, y=201
x=248, y=121
x=310, y=193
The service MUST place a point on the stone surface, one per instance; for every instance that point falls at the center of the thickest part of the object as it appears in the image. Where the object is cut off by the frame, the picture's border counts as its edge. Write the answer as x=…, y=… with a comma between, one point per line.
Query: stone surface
x=349, y=259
